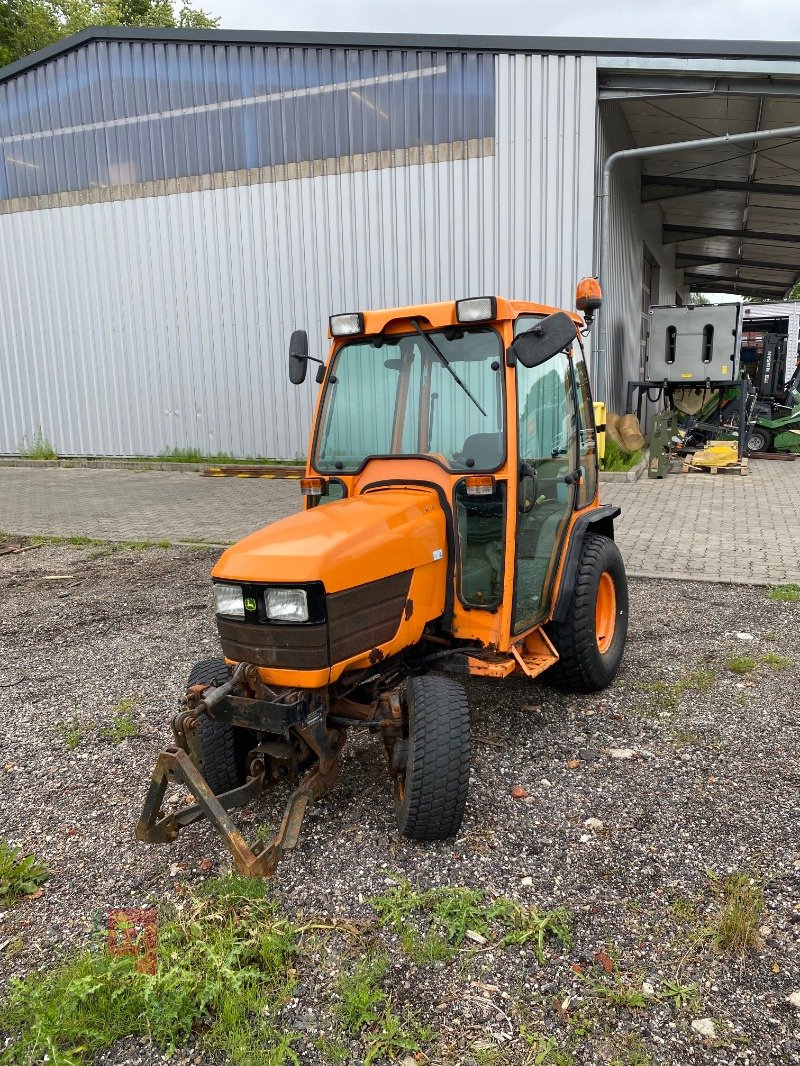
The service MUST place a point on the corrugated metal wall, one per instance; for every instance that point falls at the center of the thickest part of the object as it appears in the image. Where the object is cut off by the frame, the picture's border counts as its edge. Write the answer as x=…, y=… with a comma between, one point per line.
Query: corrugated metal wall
x=634, y=229
x=147, y=295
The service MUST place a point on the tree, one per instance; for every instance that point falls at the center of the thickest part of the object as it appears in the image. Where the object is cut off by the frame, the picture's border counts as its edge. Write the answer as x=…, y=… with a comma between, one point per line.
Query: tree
x=698, y=299
x=28, y=25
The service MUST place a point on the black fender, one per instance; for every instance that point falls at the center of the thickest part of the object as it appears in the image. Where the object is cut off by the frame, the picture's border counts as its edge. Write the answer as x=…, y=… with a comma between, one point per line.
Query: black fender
x=599, y=520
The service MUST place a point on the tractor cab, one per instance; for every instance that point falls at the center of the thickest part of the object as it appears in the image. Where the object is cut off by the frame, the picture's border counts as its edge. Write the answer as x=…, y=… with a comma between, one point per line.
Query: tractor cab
x=450, y=521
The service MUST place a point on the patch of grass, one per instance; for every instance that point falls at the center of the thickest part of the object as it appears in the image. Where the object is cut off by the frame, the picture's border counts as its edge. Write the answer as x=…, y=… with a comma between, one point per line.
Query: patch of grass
x=194, y=455
x=20, y=875
x=225, y=970
x=362, y=1009
x=632, y=1052
x=740, y=896
x=669, y=693
x=785, y=593
x=121, y=727
x=543, y=1050
x=38, y=447
x=619, y=992
x=72, y=732
x=617, y=458
x=107, y=546
x=360, y=995
x=333, y=1051
x=427, y=948
x=452, y=912
x=776, y=661
x=741, y=664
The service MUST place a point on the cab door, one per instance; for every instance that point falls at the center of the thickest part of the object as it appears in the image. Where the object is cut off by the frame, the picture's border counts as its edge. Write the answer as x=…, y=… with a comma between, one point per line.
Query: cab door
x=547, y=481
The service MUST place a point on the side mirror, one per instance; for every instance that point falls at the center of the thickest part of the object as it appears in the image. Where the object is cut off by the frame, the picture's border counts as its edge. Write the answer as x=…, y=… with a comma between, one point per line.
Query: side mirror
x=544, y=339
x=298, y=357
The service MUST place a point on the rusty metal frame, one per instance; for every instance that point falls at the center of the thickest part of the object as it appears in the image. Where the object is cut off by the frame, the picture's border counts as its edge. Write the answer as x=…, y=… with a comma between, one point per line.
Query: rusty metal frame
x=178, y=765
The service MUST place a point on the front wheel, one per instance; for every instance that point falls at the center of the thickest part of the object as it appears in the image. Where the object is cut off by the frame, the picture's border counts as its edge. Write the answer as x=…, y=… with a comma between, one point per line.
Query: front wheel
x=222, y=748
x=591, y=640
x=431, y=787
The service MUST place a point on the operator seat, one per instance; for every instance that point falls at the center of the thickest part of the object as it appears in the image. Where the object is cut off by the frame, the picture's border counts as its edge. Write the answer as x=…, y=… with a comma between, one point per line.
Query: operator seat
x=485, y=448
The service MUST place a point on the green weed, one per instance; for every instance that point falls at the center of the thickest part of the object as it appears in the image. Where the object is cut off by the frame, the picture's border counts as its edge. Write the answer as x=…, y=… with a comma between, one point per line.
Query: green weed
x=451, y=912
x=632, y=1052
x=614, y=989
x=121, y=727
x=38, y=447
x=194, y=455
x=20, y=875
x=72, y=732
x=785, y=593
x=224, y=972
x=543, y=1050
x=669, y=693
x=734, y=929
x=680, y=995
x=360, y=995
x=776, y=661
x=741, y=664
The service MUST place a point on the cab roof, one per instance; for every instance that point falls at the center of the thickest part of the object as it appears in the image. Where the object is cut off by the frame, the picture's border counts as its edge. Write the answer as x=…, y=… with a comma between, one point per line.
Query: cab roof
x=395, y=319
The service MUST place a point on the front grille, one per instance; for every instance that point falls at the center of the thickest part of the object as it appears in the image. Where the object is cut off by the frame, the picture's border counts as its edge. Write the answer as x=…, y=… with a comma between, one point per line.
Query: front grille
x=358, y=619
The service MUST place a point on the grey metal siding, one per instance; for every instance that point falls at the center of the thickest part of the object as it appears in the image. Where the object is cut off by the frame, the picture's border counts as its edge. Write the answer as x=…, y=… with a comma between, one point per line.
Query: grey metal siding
x=154, y=313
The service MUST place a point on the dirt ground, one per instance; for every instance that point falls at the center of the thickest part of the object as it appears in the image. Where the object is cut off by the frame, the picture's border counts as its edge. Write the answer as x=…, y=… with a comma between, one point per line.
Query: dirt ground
x=686, y=770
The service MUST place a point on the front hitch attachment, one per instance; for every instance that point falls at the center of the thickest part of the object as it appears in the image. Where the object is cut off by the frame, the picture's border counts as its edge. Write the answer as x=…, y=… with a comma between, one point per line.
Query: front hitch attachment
x=176, y=766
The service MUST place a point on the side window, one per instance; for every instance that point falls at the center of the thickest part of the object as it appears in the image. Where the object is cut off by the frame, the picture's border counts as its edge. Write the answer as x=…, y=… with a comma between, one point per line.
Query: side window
x=587, y=440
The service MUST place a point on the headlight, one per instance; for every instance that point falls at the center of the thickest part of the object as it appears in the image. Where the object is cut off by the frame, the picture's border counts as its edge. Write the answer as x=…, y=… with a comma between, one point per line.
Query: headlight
x=228, y=600
x=347, y=325
x=287, y=605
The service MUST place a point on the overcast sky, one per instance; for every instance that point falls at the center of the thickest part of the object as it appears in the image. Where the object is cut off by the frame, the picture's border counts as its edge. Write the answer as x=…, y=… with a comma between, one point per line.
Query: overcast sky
x=728, y=19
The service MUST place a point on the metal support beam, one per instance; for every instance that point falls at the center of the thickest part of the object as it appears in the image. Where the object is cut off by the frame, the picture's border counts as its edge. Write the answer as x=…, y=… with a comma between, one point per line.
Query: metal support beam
x=683, y=186
x=614, y=86
x=792, y=132
x=697, y=281
x=675, y=234
x=684, y=259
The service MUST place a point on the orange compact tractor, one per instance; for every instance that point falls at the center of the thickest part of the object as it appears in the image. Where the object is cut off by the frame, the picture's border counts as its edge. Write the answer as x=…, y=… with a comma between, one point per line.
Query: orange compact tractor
x=451, y=519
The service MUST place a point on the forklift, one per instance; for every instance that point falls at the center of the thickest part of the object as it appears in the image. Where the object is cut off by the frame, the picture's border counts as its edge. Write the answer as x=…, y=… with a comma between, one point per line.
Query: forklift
x=451, y=522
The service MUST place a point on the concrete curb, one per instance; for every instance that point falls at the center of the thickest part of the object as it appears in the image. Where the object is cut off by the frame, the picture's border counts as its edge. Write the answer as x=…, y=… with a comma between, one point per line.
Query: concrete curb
x=625, y=475
x=133, y=464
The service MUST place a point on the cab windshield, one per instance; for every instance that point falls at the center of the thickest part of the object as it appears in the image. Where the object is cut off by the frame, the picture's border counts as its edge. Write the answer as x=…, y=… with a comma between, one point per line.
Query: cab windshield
x=437, y=393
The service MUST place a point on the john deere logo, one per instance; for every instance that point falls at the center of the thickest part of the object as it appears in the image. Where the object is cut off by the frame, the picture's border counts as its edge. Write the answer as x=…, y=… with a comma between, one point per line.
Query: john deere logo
x=249, y=603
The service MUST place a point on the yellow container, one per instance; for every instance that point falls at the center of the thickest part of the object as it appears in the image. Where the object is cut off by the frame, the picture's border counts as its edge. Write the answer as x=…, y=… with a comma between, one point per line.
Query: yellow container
x=600, y=427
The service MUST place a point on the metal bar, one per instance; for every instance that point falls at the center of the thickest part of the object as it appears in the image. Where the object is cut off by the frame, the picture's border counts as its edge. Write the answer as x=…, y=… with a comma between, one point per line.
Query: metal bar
x=718, y=279
x=605, y=210
x=614, y=86
x=684, y=259
x=701, y=185
x=692, y=233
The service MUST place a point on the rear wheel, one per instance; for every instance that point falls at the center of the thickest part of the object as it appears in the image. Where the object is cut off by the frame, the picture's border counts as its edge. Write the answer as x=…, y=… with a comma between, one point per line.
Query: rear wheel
x=759, y=439
x=431, y=787
x=222, y=748
x=591, y=640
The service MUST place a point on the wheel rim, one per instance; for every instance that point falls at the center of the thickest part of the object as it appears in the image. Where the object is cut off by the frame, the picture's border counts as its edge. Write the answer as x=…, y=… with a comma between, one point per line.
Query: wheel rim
x=757, y=443
x=605, y=619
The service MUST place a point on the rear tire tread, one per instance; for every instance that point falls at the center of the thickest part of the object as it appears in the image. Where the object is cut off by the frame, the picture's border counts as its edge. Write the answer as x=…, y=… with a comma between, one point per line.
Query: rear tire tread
x=581, y=667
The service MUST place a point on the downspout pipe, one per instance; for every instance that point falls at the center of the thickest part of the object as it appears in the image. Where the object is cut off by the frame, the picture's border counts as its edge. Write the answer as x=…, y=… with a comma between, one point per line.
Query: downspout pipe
x=605, y=216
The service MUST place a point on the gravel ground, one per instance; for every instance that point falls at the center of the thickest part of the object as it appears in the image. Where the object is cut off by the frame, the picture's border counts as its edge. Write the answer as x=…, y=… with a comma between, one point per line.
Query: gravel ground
x=703, y=777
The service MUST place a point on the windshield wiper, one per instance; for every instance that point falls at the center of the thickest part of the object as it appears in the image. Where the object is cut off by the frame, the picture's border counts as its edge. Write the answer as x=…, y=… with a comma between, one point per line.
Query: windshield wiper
x=446, y=364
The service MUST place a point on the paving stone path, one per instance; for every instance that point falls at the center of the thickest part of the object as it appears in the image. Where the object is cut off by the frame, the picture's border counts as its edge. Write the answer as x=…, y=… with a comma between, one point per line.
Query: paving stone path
x=719, y=528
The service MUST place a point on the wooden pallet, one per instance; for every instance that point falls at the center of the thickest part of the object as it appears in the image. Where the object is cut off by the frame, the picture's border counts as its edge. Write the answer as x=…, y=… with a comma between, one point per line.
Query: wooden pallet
x=733, y=468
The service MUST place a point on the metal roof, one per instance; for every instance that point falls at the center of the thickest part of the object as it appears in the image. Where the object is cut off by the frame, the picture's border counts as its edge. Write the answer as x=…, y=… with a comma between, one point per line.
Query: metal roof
x=732, y=212
x=599, y=46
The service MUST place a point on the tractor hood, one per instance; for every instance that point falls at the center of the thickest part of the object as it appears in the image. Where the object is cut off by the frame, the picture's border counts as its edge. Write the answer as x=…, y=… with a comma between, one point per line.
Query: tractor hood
x=344, y=544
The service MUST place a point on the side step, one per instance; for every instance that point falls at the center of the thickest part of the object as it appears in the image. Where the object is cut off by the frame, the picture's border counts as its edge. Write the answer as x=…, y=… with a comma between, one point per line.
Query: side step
x=535, y=653
x=532, y=656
